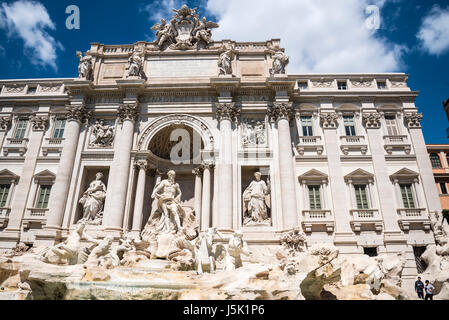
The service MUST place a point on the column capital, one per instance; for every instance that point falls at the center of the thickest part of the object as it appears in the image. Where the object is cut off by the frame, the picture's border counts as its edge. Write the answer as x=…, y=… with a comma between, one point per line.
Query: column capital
x=77, y=113
x=198, y=171
x=329, y=120
x=413, y=120
x=142, y=165
x=227, y=111
x=208, y=165
x=5, y=123
x=128, y=111
x=280, y=111
x=372, y=120
x=40, y=123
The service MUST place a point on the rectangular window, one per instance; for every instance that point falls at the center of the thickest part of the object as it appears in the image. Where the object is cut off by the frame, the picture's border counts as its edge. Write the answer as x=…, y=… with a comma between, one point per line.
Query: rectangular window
x=407, y=196
x=392, y=127
x=4, y=192
x=381, y=85
x=44, y=196
x=32, y=90
x=420, y=264
x=307, y=126
x=349, y=126
x=59, y=129
x=315, y=198
x=361, y=196
x=443, y=188
x=21, y=129
x=342, y=85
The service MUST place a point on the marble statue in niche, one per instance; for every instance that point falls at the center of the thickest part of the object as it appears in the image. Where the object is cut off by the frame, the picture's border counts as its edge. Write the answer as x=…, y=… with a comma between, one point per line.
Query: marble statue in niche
x=256, y=200
x=102, y=135
x=254, y=133
x=225, y=61
x=93, y=201
x=280, y=61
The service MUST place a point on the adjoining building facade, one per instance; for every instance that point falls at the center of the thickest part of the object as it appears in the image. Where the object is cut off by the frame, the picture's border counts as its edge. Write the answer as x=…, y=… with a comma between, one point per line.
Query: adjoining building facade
x=439, y=158
x=342, y=155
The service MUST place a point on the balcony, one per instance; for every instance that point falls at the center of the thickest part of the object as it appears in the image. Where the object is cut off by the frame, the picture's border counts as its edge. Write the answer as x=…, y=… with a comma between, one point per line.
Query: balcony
x=15, y=145
x=397, y=143
x=413, y=217
x=368, y=220
x=353, y=143
x=53, y=145
x=323, y=218
x=35, y=216
x=4, y=217
x=310, y=144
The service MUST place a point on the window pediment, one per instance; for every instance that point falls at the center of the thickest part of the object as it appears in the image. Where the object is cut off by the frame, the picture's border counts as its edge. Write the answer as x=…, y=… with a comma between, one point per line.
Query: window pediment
x=359, y=175
x=405, y=175
x=45, y=176
x=313, y=176
x=6, y=175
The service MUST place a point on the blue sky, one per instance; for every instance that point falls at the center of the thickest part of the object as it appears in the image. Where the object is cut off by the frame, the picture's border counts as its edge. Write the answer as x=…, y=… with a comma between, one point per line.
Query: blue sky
x=321, y=36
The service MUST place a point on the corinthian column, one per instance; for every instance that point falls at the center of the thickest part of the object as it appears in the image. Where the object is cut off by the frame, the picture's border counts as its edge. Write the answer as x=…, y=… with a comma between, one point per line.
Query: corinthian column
x=142, y=166
x=226, y=113
x=198, y=172
x=116, y=197
x=205, y=213
x=76, y=115
x=281, y=112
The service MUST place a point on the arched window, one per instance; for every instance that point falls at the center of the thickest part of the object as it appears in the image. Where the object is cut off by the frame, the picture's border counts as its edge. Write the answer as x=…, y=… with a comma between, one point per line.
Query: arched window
x=435, y=159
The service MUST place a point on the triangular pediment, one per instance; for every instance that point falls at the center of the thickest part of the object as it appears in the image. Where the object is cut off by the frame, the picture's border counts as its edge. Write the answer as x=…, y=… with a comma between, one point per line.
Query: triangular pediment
x=46, y=174
x=404, y=173
x=6, y=174
x=313, y=175
x=360, y=174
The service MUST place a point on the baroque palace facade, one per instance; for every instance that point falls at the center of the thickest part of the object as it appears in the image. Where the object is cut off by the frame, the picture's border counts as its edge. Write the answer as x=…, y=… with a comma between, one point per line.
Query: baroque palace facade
x=342, y=156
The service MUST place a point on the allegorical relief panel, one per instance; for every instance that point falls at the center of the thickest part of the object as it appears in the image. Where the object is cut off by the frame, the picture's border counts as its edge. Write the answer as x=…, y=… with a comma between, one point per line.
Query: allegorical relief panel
x=253, y=133
x=102, y=135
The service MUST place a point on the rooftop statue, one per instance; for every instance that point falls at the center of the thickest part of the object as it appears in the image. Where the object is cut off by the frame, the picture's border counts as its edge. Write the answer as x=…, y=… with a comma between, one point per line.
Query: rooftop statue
x=185, y=31
x=85, y=68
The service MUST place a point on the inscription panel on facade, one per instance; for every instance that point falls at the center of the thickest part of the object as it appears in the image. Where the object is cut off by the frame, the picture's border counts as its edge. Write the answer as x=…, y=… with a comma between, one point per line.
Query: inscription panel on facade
x=182, y=68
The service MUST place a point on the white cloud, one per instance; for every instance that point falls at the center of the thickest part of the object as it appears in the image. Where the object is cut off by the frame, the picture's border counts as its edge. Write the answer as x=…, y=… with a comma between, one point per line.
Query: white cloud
x=162, y=9
x=319, y=35
x=30, y=21
x=434, y=31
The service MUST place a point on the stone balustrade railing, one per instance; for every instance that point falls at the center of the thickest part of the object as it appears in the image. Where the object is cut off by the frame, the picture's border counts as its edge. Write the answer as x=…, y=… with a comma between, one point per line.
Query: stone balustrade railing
x=34, y=215
x=408, y=217
x=309, y=140
x=396, y=139
x=353, y=140
x=317, y=218
x=4, y=217
x=13, y=141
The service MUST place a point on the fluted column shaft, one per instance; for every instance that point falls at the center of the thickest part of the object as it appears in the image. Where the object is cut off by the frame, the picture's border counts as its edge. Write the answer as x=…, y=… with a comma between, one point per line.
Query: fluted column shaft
x=206, y=204
x=142, y=166
x=226, y=113
x=281, y=112
x=60, y=190
x=116, y=198
x=198, y=191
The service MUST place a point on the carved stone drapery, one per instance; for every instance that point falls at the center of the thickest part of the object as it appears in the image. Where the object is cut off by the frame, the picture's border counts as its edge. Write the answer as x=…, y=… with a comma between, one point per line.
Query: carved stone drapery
x=128, y=112
x=372, y=120
x=281, y=110
x=329, y=120
x=40, y=123
x=5, y=123
x=413, y=120
x=227, y=111
x=77, y=113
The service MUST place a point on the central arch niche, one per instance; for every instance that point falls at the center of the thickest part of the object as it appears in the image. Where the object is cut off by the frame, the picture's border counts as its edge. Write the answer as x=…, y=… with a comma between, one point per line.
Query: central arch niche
x=161, y=145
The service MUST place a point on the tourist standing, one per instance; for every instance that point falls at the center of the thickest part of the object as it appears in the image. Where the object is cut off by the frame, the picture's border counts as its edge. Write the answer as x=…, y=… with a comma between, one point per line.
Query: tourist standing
x=419, y=288
x=429, y=290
